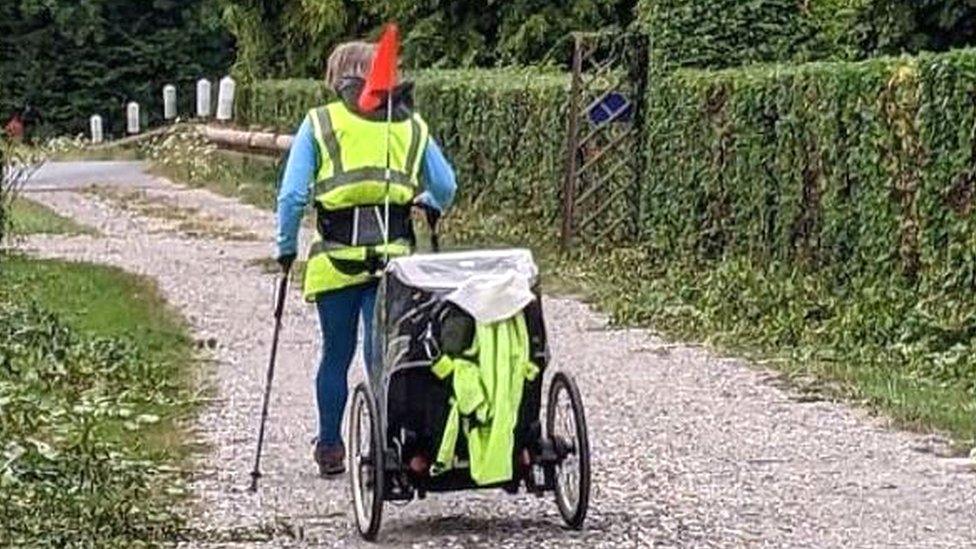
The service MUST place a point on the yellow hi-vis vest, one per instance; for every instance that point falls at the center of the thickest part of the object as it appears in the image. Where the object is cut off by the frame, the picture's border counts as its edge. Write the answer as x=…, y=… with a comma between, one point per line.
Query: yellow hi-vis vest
x=351, y=184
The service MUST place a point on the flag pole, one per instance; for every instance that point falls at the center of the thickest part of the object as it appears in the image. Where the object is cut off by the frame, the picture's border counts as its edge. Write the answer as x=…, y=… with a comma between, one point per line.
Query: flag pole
x=386, y=194
x=382, y=78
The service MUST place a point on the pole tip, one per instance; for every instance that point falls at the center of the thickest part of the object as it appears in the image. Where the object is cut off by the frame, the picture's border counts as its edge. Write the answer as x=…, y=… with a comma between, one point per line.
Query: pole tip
x=254, y=481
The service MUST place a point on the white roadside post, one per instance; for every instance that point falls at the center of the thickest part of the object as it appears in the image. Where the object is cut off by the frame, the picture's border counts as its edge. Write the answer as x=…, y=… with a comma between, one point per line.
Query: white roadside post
x=169, y=102
x=96, y=129
x=225, y=99
x=204, y=98
x=132, y=117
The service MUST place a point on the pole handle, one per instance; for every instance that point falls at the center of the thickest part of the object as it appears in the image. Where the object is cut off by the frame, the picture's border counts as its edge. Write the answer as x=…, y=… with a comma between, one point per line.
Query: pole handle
x=280, y=293
x=433, y=216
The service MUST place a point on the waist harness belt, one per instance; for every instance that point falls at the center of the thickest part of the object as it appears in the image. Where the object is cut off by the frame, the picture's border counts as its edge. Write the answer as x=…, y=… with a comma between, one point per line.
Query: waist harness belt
x=353, y=237
x=363, y=225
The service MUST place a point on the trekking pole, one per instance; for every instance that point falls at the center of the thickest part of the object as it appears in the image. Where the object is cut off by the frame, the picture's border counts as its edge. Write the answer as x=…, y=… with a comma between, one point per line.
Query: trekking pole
x=278, y=311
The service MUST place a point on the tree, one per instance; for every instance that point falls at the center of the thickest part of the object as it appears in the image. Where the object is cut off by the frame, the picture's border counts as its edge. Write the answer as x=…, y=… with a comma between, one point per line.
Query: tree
x=278, y=38
x=74, y=58
x=292, y=38
x=450, y=33
x=917, y=25
x=854, y=29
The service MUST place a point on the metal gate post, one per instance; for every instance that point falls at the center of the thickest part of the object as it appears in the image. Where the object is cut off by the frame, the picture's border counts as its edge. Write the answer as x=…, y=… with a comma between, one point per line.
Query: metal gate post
x=640, y=69
x=569, y=185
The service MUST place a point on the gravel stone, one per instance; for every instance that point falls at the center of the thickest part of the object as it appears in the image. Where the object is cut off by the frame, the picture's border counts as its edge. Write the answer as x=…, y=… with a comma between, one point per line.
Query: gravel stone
x=689, y=449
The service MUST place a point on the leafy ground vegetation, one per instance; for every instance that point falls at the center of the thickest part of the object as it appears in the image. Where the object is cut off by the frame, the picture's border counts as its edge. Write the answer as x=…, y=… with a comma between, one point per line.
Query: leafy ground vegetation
x=187, y=157
x=94, y=380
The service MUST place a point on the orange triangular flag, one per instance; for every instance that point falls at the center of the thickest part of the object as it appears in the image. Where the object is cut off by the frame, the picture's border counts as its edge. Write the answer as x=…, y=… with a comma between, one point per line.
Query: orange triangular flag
x=382, y=76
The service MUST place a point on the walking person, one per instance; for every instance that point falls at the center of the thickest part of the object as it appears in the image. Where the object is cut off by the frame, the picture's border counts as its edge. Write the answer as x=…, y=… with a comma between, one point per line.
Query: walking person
x=338, y=161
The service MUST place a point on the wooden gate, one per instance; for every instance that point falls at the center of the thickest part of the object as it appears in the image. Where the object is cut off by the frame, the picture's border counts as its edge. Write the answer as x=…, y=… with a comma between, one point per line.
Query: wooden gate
x=605, y=153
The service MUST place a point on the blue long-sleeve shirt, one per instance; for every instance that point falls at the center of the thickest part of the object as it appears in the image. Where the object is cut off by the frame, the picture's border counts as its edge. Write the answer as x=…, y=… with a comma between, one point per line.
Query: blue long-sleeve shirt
x=293, y=196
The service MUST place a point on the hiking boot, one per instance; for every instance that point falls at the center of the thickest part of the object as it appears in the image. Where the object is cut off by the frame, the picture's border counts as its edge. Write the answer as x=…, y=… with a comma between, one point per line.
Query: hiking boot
x=330, y=459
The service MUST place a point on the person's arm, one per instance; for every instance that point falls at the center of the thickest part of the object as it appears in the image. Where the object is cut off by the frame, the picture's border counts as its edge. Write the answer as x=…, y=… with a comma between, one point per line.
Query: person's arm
x=294, y=192
x=441, y=185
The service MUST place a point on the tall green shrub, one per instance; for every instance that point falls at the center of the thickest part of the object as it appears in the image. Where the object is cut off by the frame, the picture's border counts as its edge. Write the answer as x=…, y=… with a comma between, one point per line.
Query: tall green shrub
x=504, y=132
x=730, y=33
x=292, y=38
x=279, y=104
x=724, y=33
x=452, y=33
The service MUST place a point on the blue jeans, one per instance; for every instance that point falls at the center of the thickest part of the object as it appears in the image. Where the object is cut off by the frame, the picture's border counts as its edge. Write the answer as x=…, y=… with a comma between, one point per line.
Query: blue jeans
x=339, y=313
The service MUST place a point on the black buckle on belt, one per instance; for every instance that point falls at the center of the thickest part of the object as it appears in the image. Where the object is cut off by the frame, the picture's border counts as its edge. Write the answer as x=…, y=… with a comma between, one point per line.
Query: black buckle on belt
x=375, y=263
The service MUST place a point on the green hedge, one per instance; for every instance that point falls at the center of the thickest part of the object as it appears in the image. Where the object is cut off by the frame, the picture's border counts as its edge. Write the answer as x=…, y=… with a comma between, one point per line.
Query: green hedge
x=279, y=104
x=502, y=130
x=854, y=165
x=731, y=33
x=857, y=177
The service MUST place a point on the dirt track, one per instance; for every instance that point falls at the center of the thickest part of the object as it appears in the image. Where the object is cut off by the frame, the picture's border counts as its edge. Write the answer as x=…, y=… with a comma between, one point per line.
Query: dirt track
x=689, y=449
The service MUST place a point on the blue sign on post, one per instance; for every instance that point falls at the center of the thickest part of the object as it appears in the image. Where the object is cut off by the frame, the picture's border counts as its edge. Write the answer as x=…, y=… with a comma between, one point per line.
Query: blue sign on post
x=615, y=107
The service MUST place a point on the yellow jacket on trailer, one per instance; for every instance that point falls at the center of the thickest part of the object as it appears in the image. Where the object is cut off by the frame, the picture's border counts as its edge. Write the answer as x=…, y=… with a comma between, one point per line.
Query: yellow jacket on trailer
x=487, y=384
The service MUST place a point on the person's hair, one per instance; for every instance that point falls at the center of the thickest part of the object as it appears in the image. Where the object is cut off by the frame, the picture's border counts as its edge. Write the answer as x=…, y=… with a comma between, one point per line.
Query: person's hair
x=350, y=59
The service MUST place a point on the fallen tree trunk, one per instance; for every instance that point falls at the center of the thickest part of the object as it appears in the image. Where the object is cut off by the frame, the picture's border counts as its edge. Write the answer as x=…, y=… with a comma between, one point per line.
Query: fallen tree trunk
x=266, y=142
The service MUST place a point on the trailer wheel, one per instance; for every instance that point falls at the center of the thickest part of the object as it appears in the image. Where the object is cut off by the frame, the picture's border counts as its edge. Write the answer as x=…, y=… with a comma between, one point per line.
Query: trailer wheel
x=366, y=463
x=566, y=427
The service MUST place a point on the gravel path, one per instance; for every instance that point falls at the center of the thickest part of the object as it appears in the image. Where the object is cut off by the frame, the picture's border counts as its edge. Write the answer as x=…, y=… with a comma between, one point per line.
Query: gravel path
x=689, y=449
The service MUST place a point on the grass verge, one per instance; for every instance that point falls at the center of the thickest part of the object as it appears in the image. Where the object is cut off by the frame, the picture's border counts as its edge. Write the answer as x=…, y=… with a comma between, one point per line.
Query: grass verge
x=29, y=217
x=252, y=179
x=94, y=383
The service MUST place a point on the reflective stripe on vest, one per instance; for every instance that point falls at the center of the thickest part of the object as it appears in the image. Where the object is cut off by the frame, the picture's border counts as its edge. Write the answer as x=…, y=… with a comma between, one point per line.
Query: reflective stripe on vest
x=355, y=253
x=352, y=150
